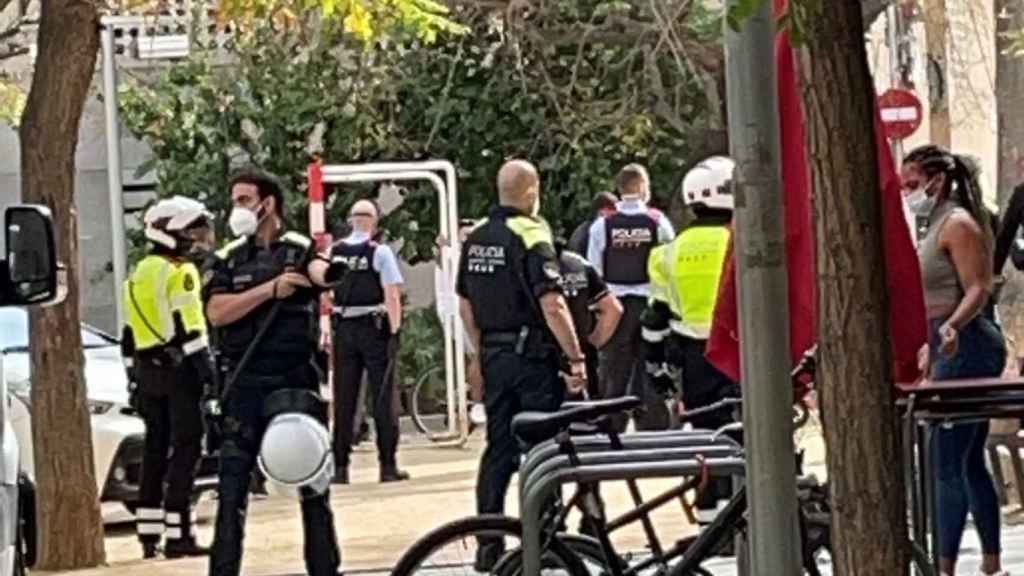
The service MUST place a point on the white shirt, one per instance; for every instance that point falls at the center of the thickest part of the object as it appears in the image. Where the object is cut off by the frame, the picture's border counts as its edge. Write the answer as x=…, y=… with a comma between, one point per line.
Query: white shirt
x=595, y=249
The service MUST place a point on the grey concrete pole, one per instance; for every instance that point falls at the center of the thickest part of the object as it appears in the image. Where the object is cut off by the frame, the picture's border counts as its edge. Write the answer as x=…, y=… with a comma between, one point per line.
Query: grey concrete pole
x=762, y=294
x=115, y=191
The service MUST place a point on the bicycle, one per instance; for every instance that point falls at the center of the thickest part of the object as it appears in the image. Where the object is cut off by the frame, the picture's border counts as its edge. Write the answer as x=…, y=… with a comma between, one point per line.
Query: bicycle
x=427, y=403
x=560, y=548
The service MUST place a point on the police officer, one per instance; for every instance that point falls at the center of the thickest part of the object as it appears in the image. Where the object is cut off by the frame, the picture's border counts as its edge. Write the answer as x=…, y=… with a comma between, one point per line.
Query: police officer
x=263, y=283
x=366, y=322
x=165, y=350
x=619, y=246
x=511, y=302
x=685, y=275
x=595, y=310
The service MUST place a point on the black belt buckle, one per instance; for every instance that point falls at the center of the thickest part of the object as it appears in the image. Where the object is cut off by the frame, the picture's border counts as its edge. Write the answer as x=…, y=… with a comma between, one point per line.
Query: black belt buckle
x=524, y=334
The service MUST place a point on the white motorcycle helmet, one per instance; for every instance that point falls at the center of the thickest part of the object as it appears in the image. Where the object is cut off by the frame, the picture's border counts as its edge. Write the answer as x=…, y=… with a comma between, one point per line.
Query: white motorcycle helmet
x=296, y=450
x=168, y=218
x=710, y=183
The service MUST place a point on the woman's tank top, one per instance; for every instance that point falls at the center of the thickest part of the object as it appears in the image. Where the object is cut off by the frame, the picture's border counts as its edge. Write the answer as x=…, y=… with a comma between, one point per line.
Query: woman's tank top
x=942, y=290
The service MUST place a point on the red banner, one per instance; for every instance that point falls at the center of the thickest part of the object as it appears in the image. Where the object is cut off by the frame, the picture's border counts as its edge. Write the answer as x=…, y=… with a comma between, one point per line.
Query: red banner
x=907, y=315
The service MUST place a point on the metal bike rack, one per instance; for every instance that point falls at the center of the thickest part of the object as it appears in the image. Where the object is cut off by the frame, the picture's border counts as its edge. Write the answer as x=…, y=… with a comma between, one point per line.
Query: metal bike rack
x=447, y=192
x=654, y=465
x=625, y=457
x=587, y=445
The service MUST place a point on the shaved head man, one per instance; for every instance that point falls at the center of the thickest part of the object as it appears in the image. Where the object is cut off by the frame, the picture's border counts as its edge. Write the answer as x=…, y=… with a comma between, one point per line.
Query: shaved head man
x=512, y=304
x=519, y=186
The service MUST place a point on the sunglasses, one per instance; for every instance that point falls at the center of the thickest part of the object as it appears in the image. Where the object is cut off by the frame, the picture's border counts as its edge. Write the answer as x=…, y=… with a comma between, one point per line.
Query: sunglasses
x=361, y=215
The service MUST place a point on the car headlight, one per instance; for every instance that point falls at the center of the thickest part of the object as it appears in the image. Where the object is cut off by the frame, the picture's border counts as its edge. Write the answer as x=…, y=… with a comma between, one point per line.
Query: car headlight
x=98, y=408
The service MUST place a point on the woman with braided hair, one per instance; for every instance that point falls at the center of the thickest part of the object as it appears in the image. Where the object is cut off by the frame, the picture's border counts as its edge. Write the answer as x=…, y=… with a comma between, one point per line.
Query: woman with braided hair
x=956, y=256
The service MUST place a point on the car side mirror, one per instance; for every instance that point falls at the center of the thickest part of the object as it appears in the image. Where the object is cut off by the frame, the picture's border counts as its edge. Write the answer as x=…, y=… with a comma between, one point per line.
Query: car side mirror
x=31, y=273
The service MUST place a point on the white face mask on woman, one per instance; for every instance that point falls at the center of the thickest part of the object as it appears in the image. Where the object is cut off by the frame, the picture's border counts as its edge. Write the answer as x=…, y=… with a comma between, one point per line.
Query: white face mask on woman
x=918, y=200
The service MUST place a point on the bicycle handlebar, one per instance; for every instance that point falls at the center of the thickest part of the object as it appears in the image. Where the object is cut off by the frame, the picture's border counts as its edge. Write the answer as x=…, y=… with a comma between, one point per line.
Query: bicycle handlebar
x=807, y=366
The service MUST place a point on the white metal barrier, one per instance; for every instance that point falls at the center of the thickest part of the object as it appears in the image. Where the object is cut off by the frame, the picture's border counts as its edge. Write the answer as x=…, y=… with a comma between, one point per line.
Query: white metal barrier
x=454, y=348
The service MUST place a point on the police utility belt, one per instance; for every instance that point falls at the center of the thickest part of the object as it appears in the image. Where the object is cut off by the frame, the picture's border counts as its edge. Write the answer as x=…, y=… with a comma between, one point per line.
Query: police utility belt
x=354, y=312
x=528, y=341
x=304, y=375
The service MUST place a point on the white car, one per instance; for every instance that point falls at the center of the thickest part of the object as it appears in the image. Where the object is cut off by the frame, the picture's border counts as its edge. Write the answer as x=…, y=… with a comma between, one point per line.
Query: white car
x=118, y=432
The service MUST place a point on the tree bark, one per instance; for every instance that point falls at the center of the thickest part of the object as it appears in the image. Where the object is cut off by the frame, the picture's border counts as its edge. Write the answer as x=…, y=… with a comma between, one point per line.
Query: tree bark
x=70, y=526
x=1009, y=99
x=869, y=520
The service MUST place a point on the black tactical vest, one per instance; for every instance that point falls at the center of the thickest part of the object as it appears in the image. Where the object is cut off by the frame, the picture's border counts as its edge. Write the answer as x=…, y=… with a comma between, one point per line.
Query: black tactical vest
x=361, y=286
x=629, y=239
x=291, y=341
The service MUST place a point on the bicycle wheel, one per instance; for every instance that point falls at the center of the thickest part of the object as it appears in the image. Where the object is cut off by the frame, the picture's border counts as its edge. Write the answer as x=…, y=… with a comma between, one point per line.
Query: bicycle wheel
x=586, y=550
x=429, y=408
x=451, y=550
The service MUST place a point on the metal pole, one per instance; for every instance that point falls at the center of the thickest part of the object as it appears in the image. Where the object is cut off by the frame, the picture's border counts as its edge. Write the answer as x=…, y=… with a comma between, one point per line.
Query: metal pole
x=892, y=39
x=115, y=191
x=752, y=95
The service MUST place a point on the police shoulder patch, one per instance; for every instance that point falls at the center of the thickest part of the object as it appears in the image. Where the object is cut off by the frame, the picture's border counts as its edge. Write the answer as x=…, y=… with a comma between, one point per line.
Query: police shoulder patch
x=189, y=283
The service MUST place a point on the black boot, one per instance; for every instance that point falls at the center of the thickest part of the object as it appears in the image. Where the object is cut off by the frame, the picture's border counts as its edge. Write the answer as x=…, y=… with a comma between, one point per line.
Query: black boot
x=340, y=476
x=392, y=473
x=149, y=550
x=184, y=548
x=180, y=538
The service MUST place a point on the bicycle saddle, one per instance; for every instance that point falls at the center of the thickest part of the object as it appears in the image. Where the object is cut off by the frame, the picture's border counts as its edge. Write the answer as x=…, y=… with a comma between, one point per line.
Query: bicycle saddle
x=532, y=428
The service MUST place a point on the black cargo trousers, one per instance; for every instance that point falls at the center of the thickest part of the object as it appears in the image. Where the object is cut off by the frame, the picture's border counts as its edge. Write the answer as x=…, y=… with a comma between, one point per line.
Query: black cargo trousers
x=244, y=425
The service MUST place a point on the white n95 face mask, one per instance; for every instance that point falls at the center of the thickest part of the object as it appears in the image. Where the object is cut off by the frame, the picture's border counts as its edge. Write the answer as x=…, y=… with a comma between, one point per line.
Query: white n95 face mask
x=919, y=202
x=243, y=222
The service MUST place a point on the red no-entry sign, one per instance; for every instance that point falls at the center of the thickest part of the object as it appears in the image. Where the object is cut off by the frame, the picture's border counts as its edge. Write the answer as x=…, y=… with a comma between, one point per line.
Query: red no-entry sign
x=901, y=112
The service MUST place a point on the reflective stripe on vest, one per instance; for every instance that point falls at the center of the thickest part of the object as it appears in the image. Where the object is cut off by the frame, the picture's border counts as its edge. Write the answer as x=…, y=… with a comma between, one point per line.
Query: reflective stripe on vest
x=692, y=271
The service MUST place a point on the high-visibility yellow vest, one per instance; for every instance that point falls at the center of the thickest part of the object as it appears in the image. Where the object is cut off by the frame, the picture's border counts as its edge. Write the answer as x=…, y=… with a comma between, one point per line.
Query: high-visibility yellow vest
x=158, y=289
x=685, y=275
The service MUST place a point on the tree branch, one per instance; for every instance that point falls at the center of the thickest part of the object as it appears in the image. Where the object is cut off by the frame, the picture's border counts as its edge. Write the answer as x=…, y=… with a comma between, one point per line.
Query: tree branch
x=13, y=52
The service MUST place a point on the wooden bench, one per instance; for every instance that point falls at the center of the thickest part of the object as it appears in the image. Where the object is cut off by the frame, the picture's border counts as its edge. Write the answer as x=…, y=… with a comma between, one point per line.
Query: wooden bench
x=1013, y=443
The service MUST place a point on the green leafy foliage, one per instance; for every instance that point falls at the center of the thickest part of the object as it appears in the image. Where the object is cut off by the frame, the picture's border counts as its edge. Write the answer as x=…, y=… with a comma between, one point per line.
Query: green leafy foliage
x=579, y=87
x=12, y=102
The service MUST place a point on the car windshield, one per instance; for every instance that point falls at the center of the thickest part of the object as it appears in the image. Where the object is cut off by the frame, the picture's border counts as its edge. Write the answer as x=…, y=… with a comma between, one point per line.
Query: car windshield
x=14, y=332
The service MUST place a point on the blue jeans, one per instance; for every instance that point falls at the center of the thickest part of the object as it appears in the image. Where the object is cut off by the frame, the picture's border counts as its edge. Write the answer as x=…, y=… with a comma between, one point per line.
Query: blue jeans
x=962, y=481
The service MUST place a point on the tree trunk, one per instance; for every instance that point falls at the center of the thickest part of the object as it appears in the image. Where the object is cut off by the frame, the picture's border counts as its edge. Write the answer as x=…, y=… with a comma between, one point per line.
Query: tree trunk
x=70, y=527
x=869, y=522
x=1009, y=99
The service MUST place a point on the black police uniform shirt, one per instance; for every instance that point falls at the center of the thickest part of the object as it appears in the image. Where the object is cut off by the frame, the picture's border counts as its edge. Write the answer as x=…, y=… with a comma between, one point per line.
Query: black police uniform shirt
x=291, y=341
x=583, y=288
x=508, y=263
